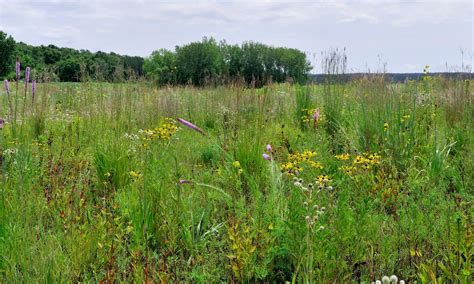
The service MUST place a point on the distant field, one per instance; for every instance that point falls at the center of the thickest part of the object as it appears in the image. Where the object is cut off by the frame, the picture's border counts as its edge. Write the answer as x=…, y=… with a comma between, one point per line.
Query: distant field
x=327, y=183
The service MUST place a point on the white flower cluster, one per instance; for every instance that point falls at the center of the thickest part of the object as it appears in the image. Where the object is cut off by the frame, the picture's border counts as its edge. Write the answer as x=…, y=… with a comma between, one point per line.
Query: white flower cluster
x=10, y=152
x=314, y=218
x=133, y=137
x=389, y=280
x=314, y=211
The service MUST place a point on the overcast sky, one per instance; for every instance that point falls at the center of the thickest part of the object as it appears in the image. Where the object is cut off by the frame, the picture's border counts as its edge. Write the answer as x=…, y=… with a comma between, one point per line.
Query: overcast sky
x=405, y=34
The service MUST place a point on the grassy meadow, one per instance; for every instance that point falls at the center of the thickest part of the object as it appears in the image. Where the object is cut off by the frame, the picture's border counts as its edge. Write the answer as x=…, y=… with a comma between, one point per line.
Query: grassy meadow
x=327, y=183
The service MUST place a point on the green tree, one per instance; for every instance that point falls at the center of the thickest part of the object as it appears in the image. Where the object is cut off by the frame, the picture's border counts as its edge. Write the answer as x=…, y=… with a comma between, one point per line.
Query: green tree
x=7, y=49
x=69, y=70
x=161, y=67
x=199, y=62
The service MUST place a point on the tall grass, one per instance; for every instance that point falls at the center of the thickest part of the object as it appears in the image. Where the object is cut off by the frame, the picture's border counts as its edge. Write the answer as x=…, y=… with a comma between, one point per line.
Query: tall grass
x=88, y=196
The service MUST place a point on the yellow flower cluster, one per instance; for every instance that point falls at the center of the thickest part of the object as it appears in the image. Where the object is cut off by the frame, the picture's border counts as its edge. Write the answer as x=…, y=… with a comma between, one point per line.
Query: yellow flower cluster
x=323, y=179
x=385, y=126
x=343, y=157
x=426, y=73
x=236, y=164
x=296, y=160
x=163, y=133
x=405, y=117
x=135, y=175
x=361, y=163
x=307, y=114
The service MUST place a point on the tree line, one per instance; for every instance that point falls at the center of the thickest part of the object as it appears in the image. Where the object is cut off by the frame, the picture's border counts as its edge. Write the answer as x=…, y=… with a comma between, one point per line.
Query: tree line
x=209, y=61
x=66, y=64
x=197, y=63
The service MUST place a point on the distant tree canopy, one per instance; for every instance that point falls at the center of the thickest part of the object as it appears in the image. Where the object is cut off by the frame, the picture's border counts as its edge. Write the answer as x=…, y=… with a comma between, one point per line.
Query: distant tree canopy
x=70, y=65
x=199, y=63
x=7, y=48
x=66, y=64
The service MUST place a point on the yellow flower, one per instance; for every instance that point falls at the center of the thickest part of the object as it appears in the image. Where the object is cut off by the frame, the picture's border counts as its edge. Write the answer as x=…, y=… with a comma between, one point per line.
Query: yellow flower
x=236, y=164
x=343, y=157
x=323, y=179
x=350, y=170
x=135, y=175
x=316, y=165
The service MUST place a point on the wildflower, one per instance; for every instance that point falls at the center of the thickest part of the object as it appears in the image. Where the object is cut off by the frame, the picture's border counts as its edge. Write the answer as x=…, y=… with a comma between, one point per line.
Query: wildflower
x=316, y=117
x=266, y=157
x=2, y=122
x=316, y=165
x=269, y=148
x=33, y=88
x=27, y=75
x=135, y=175
x=405, y=117
x=348, y=169
x=296, y=160
x=184, y=181
x=385, y=126
x=7, y=87
x=385, y=280
x=323, y=179
x=190, y=125
x=17, y=69
x=394, y=279
x=342, y=157
x=236, y=164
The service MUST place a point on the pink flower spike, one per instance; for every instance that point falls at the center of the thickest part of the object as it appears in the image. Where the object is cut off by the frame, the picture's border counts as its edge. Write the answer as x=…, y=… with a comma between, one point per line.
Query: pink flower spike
x=190, y=125
x=7, y=87
x=17, y=69
x=269, y=148
x=33, y=87
x=2, y=122
x=267, y=157
x=316, y=116
x=27, y=75
x=184, y=181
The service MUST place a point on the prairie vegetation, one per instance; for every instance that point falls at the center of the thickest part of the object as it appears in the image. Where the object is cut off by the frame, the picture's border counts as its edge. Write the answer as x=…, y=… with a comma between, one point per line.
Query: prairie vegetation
x=335, y=182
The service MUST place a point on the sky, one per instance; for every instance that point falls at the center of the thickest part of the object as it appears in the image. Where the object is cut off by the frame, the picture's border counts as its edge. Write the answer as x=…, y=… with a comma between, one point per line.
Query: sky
x=400, y=36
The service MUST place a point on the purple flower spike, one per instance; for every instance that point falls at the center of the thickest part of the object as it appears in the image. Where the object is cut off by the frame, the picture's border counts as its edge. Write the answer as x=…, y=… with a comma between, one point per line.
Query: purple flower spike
x=2, y=122
x=267, y=157
x=184, y=181
x=7, y=87
x=17, y=69
x=316, y=114
x=269, y=148
x=316, y=117
x=190, y=125
x=33, y=88
x=27, y=75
